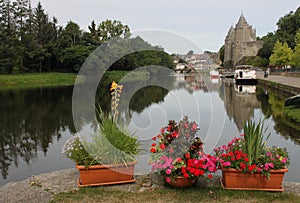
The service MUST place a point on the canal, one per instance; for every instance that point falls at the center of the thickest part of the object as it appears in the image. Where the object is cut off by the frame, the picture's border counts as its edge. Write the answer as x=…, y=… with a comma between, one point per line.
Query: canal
x=35, y=123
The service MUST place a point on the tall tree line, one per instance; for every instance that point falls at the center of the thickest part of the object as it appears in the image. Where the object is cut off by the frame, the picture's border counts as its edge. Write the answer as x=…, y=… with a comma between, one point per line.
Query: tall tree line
x=32, y=42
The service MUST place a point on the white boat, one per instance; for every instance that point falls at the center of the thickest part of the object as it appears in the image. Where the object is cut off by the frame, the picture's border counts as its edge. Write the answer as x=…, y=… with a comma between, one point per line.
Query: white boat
x=245, y=75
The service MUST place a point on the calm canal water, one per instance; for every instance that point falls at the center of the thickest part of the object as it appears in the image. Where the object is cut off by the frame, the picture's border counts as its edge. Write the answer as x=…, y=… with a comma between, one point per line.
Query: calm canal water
x=35, y=123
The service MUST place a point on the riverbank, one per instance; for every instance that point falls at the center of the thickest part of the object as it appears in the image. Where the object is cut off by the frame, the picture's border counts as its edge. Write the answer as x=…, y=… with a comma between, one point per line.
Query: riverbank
x=35, y=80
x=60, y=186
x=288, y=85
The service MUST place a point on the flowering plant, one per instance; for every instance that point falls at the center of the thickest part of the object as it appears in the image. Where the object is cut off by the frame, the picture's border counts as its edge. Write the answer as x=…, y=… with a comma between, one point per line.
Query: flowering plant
x=177, y=152
x=109, y=144
x=242, y=154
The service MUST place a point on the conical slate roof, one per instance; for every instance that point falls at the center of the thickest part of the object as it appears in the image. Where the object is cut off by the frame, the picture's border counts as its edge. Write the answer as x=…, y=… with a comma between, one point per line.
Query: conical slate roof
x=242, y=22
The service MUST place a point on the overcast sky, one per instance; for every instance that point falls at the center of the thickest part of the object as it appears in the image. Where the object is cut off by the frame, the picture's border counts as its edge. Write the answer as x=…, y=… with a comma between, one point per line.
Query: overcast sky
x=205, y=23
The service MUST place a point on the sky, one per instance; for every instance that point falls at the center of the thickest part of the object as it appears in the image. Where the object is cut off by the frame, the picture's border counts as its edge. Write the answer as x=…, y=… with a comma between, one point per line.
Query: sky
x=204, y=23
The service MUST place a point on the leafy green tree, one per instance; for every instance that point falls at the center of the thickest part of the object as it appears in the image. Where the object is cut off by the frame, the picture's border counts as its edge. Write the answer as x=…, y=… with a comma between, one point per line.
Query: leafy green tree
x=222, y=54
x=288, y=27
x=295, y=58
x=191, y=52
x=268, y=43
x=109, y=29
x=73, y=57
x=281, y=54
x=70, y=35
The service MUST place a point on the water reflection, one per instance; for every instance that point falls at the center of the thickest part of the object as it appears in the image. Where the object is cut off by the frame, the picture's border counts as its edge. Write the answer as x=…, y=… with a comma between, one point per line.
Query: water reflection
x=30, y=121
x=240, y=102
x=35, y=121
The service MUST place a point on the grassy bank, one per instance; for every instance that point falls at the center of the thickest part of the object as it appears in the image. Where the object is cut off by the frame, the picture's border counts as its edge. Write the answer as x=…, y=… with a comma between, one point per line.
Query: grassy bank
x=167, y=194
x=32, y=80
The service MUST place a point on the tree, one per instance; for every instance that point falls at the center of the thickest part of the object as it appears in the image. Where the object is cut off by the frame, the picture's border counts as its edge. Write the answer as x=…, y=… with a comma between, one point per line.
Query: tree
x=191, y=52
x=222, y=54
x=281, y=54
x=71, y=35
x=44, y=39
x=21, y=13
x=268, y=43
x=288, y=27
x=110, y=29
x=8, y=37
x=295, y=58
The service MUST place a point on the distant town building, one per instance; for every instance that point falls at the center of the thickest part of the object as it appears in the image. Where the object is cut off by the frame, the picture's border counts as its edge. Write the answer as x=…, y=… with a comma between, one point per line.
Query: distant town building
x=240, y=41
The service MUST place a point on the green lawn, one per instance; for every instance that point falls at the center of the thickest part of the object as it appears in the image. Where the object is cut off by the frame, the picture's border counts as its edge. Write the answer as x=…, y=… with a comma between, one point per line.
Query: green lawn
x=168, y=194
x=33, y=80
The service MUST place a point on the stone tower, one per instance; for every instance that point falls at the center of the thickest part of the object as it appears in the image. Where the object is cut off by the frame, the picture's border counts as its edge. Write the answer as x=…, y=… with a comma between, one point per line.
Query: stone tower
x=239, y=42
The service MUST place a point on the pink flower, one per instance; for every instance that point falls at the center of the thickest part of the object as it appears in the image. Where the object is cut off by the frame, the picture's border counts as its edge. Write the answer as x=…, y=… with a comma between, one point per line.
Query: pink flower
x=168, y=171
x=269, y=154
x=168, y=179
x=227, y=163
x=284, y=160
x=271, y=165
x=266, y=167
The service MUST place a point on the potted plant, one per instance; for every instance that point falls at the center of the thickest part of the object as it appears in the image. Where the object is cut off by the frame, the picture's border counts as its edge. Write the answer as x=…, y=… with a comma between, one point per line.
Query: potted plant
x=248, y=164
x=177, y=154
x=108, y=156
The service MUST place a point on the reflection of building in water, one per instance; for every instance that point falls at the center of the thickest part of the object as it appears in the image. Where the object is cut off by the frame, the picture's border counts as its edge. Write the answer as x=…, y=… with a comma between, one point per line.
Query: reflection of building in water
x=191, y=82
x=238, y=105
x=245, y=89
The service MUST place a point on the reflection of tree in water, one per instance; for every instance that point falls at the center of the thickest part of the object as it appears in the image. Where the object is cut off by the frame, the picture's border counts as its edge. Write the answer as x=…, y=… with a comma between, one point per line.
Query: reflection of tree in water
x=272, y=103
x=239, y=107
x=30, y=120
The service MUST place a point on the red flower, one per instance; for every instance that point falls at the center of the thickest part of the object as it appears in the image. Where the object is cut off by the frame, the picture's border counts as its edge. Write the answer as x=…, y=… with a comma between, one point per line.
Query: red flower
x=162, y=130
x=238, y=157
x=210, y=176
x=242, y=166
x=246, y=159
x=183, y=170
x=187, y=156
x=252, y=167
x=154, y=138
x=194, y=127
x=186, y=175
x=162, y=146
x=153, y=145
x=175, y=134
x=153, y=150
x=169, y=128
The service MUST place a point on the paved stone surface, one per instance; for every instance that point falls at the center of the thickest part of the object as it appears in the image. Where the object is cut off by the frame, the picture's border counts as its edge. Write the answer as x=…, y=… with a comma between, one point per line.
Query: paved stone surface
x=291, y=81
x=42, y=188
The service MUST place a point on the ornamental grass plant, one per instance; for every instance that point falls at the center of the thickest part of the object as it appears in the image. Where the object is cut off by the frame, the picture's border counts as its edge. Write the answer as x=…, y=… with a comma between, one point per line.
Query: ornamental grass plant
x=110, y=143
x=250, y=154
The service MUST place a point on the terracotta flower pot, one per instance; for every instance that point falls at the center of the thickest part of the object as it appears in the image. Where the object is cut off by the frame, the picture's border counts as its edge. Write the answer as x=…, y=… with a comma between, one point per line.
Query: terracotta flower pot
x=97, y=175
x=182, y=182
x=236, y=180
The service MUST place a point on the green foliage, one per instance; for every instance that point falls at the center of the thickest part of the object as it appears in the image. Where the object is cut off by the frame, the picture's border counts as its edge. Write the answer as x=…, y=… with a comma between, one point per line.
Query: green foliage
x=112, y=143
x=254, y=135
x=288, y=26
x=293, y=113
x=268, y=43
x=295, y=58
x=222, y=53
x=281, y=54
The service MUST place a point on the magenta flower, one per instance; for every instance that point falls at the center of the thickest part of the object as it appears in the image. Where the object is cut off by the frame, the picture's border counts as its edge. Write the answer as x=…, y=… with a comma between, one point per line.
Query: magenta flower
x=227, y=163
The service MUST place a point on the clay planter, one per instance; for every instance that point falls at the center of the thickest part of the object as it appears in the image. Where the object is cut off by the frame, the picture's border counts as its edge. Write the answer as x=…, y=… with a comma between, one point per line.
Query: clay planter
x=182, y=182
x=97, y=175
x=236, y=180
